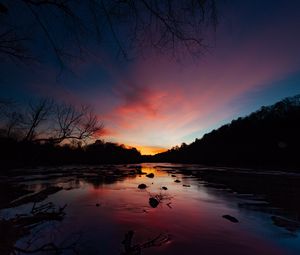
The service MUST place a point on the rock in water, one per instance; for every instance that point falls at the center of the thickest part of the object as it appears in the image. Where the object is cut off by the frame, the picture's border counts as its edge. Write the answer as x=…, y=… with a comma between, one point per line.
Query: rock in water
x=288, y=224
x=230, y=218
x=164, y=188
x=142, y=186
x=153, y=202
x=151, y=175
x=177, y=181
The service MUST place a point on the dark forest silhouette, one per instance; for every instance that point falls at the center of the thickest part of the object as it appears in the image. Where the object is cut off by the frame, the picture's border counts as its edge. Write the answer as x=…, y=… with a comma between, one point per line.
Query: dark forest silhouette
x=19, y=154
x=267, y=137
x=49, y=133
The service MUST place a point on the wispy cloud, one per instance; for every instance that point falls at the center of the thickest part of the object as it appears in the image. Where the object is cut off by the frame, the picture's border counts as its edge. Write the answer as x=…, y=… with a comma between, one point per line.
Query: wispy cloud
x=157, y=102
x=160, y=102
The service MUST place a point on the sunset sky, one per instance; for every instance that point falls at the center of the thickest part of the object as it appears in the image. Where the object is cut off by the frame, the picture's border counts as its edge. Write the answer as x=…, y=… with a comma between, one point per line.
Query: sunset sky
x=154, y=101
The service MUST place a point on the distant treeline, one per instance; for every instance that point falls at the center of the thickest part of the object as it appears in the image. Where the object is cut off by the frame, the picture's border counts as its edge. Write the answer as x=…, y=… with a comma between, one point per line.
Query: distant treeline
x=56, y=134
x=267, y=137
x=22, y=154
x=45, y=132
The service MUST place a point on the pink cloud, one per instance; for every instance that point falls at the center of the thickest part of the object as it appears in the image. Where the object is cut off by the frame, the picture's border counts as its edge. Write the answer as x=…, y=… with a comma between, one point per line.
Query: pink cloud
x=162, y=101
x=159, y=102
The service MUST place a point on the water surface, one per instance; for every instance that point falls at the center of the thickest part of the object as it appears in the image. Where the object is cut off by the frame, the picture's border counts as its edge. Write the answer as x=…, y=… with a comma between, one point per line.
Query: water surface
x=104, y=203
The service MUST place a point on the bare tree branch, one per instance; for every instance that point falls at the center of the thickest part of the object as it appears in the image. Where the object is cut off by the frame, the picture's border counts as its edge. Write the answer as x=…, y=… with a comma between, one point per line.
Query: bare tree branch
x=70, y=123
x=130, y=25
x=49, y=122
x=38, y=113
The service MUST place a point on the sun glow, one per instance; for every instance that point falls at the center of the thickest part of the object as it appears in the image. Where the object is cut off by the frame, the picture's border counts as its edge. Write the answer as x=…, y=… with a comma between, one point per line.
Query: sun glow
x=149, y=150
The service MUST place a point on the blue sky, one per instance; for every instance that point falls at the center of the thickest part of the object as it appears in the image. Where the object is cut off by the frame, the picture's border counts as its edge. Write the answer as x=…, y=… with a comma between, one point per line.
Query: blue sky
x=155, y=102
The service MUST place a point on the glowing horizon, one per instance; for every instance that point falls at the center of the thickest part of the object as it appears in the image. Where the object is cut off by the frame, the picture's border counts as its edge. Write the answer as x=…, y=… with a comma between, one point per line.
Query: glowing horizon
x=150, y=150
x=155, y=102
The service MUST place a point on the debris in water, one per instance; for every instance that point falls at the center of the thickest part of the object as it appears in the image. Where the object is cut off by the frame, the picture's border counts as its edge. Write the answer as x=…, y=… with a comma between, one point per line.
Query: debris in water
x=35, y=197
x=288, y=224
x=142, y=186
x=153, y=202
x=135, y=249
x=230, y=218
x=151, y=175
x=13, y=229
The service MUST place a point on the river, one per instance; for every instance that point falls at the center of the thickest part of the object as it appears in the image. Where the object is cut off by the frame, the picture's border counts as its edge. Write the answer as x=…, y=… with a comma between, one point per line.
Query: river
x=179, y=210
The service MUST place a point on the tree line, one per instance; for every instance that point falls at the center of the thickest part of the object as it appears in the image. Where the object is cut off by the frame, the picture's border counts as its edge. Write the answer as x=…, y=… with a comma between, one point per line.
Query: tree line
x=49, y=133
x=269, y=137
x=46, y=132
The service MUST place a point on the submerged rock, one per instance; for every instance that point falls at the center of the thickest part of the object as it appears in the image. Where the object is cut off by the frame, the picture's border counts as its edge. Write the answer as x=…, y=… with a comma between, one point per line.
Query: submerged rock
x=288, y=224
x=151, y=175
x=230, y=218
x=177, y=181
x=142, y=186
x=164, y=188
x=186, y=185
x=173, y=175
x=153, y=202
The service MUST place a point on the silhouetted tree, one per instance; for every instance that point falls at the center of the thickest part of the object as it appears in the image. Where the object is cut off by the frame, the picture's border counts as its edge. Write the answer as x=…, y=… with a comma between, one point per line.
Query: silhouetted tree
x=11, y=119
x=72, y=123
x=51, y=133
x=35, y=116
x=47, y=121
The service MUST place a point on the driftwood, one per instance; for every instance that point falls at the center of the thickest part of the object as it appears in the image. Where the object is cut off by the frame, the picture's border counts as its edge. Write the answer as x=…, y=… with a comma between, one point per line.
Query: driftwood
x=35, y=197
x=130, y=249
x=12, y=191
x=155, y=200
x=11, y=230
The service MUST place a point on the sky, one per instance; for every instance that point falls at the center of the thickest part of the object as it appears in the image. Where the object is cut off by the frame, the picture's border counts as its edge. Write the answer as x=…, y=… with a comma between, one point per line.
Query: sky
x=154, y=102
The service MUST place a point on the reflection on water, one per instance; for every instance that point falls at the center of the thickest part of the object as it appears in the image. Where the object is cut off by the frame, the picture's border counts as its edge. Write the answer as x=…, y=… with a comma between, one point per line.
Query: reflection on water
x=179, y=209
